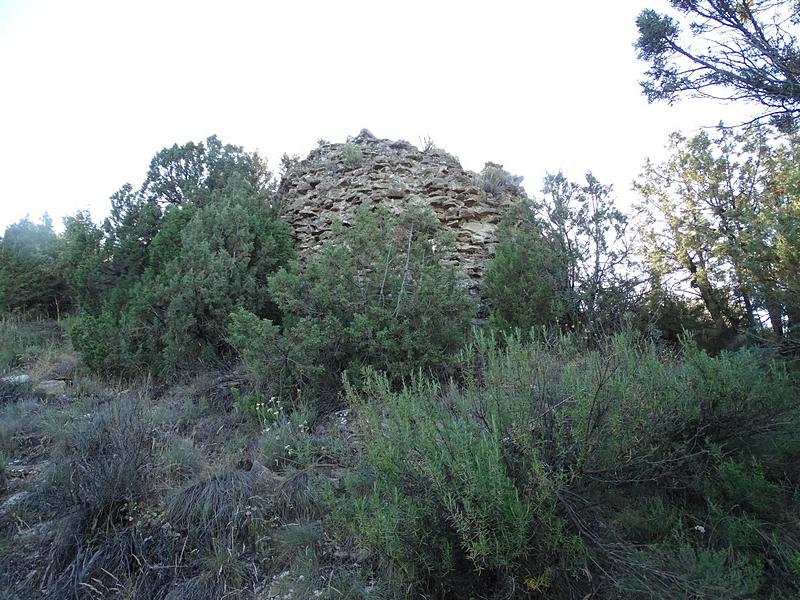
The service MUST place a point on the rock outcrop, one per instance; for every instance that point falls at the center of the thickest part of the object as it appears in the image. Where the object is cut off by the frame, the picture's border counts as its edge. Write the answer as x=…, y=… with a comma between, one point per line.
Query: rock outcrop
x=335, y=179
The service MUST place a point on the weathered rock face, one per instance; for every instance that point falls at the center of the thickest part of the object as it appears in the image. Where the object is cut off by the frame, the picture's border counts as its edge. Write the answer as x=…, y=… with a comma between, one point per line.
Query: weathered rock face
x=336, y=179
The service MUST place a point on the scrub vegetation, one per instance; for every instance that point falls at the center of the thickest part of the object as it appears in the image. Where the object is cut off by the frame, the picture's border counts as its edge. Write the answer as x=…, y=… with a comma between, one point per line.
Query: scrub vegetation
x=190, y=409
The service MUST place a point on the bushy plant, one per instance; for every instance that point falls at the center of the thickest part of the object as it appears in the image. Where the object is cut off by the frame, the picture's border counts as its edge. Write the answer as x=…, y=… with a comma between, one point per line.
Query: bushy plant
x=352, y=154
x=564, y=260
x=82, y=262
x=197, y=241
x=452, y=499
x=377, y=294
x=30, y=282
x=526, y=283
x=531, y=473
x=495, y=180
x=105, y=463
x=102, y=470
x=224, y=503
x=25, y=342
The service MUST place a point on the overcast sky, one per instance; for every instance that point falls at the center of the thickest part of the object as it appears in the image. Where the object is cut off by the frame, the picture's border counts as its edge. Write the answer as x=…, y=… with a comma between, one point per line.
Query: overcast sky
x=91, y=89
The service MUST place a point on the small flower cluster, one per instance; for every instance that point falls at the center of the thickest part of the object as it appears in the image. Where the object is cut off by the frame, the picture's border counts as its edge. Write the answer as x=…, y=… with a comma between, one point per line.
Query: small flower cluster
x=269, y=412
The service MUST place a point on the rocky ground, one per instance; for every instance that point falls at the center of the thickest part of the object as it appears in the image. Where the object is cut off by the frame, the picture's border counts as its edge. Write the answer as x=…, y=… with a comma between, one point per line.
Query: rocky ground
x=111, y=490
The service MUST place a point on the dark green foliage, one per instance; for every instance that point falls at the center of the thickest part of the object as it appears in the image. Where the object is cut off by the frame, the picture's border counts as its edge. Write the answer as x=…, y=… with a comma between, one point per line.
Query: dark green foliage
x=198, y=241
x=377, y=294
x=82, y=262
x=30, y=282
x=559, y=471
x=98, y=341
x=228, y=250
x=669, y=317
x=134, y=222
x=527, y=282
x=193, y=173
x=563, y=262
x=720, y=49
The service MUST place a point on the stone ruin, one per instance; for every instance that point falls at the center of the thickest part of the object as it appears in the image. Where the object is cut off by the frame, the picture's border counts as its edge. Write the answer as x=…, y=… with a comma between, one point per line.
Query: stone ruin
x=335, y=179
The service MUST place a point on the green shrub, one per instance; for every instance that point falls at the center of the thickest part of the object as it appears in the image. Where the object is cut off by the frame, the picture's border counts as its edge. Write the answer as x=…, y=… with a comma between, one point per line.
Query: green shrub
x=97, y=339
x=652, y=520
x=742, y=391
x=377, y=294
x=31, y=284
x=352, y=154
x=564, y=261
x=743, y=484
x=531, y=474
x=174, y=259
x=443, y=504
x=526, y=282
x=494, y=180
x=685, y=570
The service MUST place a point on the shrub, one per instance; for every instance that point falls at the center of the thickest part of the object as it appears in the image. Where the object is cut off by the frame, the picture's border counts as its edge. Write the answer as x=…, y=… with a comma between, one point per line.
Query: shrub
x=352, y=154
x=30, y=282
x=377, y=294
x=197, y=241
x=526, y=282
x=284, y=444
x=105, y=463
x=652, y=520
x=494, y=180
x=173, y=319
x=23, y=342
x=97, y=338
x=102, y=472
x=532, y=473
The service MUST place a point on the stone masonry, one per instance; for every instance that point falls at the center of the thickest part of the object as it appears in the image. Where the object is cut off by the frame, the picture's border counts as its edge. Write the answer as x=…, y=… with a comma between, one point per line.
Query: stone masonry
x=335, y=179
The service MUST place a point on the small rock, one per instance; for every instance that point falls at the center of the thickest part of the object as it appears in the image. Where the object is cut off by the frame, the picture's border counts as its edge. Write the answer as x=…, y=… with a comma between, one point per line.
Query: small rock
x=51, y=387
x=12, y=501
x=16, y=379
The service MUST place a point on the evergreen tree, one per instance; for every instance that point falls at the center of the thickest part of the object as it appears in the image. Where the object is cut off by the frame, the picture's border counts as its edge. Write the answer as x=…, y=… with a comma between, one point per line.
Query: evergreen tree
x=30, y=282
x=379, y=293
x=197, y=241
x=722, y=221
x=742, y=50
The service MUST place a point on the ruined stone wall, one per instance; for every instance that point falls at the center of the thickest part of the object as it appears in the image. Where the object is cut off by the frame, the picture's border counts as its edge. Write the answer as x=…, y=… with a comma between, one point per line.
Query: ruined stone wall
x=336, y=179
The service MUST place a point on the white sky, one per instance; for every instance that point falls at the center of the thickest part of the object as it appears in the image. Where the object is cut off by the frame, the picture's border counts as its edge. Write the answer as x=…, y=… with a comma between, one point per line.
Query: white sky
x=91, y=89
